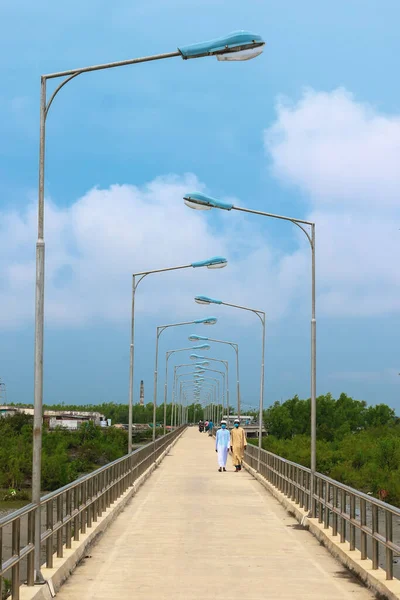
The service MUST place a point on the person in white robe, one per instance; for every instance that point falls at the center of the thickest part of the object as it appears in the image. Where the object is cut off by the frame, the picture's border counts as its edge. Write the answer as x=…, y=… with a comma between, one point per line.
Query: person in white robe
x=222, y=443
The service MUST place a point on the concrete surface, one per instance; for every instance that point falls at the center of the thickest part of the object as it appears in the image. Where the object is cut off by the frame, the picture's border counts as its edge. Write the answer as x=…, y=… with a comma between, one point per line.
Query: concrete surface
x=193, y=533
x=374, y=579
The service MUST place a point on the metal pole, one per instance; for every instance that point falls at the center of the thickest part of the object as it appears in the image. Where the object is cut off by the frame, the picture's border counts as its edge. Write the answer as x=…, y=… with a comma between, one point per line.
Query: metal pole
x=131, y=367
x=173, y=400
x=227, y=386
x=39, y=326
x=155, y=390
x=261, y=395
x=313, y=376
x=165, y=392
x=237, y=380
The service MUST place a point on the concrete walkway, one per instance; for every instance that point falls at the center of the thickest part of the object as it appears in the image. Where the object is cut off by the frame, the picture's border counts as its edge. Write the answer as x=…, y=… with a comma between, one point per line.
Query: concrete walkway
x=193, y=533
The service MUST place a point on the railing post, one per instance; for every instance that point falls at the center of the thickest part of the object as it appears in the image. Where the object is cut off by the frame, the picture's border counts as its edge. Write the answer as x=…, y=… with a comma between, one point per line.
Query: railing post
x=334, y=513
x=16, y=546
x=84, y=510
x=68, y=527
x=363, y=522
x=342, y=520
x=59, y=531
x=326, y=502
x=319, y=488
x=31, y=555
x=352, y=517
x=49, y=527
x=375, y=544
x=389, y=538
x=77, y=490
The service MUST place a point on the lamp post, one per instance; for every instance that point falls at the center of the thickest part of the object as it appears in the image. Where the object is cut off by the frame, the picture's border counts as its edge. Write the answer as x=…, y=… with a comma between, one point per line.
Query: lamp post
x=225, y=363
x=202, y=386
x=216, y=262
x=201, y=372
x=261, y=315
x=160, y=329
x=173, y=411
x=167, y=356
x=198, y=338
x=185, y=386
x=206, y=369
x=240, y=45
x=194, y=373
x=201, y=201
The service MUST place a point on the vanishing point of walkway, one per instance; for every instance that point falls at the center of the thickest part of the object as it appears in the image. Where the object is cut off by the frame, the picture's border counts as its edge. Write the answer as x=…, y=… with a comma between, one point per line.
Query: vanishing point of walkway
x=193, y=533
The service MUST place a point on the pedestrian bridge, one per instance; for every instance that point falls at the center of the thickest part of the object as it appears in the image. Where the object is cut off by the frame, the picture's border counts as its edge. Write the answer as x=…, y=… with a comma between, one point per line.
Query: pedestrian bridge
x=192, y=532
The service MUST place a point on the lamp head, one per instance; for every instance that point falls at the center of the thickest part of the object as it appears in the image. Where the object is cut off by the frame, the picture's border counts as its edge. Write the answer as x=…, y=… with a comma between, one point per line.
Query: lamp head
x=202, y=347
x=197, y=338
x=206, y=300
x=217, y=262
x=206, y=321
x=238, y=45
x=200, y=201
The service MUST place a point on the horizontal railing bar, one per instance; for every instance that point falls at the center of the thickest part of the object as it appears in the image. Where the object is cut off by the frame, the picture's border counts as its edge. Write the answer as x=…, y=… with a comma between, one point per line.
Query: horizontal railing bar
x=335, y=500
x=362, y=495
x=17, y=514
x=80, y=480
x=358, y=494
x=16, y=558
x=89, y=502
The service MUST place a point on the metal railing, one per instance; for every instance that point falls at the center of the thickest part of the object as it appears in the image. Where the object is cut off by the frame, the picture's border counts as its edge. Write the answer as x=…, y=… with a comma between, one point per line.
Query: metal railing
x=366, y=523
x=68, y=512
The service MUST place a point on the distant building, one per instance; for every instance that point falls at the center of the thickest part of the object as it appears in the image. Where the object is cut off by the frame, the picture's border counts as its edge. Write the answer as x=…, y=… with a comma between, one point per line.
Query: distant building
x=67, y=419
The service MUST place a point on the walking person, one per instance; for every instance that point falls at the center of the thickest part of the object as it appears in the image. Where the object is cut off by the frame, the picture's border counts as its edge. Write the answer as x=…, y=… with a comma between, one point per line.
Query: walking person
x=210, y=428
x=238, y=443
x=222, y=441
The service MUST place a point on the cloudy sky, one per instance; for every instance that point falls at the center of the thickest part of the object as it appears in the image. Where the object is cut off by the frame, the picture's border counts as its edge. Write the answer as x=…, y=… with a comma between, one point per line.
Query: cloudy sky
x=311, y=129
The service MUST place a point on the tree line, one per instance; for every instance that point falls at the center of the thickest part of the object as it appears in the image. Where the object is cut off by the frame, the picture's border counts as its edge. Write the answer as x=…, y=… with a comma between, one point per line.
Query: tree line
x=358, y=445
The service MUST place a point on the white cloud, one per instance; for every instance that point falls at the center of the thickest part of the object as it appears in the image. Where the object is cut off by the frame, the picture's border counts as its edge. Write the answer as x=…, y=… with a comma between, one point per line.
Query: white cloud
x=336, y=151
x=344, y=157
x=94, y=245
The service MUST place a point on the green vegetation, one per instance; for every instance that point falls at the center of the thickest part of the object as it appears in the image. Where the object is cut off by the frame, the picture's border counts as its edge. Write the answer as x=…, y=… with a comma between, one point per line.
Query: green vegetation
x=356, y=444
x=66, y=454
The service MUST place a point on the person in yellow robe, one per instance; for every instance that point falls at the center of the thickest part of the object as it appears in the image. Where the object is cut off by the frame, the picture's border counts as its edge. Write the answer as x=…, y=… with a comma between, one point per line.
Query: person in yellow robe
x=238, y=444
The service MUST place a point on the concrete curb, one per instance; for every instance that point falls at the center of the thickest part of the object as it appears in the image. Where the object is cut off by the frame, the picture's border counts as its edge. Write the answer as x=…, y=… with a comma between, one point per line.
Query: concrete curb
x=374, y=580
x=63, y=567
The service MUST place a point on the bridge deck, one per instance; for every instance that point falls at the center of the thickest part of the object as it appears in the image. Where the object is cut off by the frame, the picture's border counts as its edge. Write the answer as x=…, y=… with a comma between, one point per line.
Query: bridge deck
x=193, y=533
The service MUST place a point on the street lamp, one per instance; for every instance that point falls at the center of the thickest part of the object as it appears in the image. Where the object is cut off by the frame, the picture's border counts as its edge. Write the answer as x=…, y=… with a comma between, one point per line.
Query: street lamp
x=198, y=338
x=204, y=386
x=217, y=262
x=196, y=388
x=167, y=356
x=160, y=329
x=201, y=201
x=239, y=45
x=225, y=363
x=195, y=338
x=261, y=315
x=176, y=377
x=195, y=396
x=206, y=369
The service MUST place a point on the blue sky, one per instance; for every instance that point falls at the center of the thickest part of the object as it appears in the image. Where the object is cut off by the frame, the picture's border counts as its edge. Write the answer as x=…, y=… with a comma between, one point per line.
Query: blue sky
x=310, y=129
